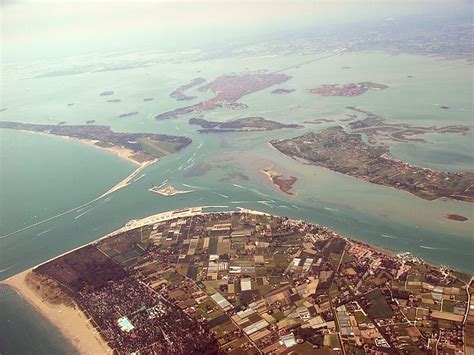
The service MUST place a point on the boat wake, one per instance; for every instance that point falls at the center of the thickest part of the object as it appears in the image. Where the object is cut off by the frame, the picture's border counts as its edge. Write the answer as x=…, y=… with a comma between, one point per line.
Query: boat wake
x=8, y=268
x=253, y=190
x=388, y=236
x=221, y=195
x=431, y=248
x=44, y=232
x=191, y=186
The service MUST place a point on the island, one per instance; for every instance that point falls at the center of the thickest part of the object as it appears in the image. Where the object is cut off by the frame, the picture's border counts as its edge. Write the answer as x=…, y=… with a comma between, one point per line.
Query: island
x=347, y=153
x=137, y=147
x=228, y=89
x=179, y=94
x=346, y=89
x=456, y=217
x=330, y=119
x=168, y=190
x=282, y=91
x=378, y=131
x=247, y=282
x=284, y=183
x=128, y=114
x=245, y=124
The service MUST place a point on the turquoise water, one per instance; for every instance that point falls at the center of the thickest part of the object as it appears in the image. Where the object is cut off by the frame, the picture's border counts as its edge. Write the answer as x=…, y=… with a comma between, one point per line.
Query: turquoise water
x=33, y=334
x=42, y=176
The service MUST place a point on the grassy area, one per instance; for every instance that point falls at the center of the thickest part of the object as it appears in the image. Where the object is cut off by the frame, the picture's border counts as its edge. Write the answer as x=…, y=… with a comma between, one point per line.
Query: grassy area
x=378, y=305
x=157, y=148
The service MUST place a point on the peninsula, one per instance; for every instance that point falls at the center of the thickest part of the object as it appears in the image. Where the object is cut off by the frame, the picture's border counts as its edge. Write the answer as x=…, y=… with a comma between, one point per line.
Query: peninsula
x=346, y=89
x=138, y=147
x=245, y=124
x=348, y=154
x=228, y=89
x=190, y=282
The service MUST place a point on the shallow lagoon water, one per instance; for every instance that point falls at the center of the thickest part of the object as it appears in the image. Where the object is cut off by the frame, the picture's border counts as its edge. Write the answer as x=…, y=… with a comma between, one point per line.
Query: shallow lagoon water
x=43, y=176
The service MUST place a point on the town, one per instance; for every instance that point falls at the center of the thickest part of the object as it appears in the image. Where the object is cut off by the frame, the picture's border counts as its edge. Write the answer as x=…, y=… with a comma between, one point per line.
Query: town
x=251, y=283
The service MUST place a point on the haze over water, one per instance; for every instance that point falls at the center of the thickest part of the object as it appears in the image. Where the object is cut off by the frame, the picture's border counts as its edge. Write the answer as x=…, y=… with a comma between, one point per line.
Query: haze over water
x=42, y=176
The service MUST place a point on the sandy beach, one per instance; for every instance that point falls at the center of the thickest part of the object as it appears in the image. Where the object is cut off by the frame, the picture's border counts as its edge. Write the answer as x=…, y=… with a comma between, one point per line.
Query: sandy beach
x=284, y=183
x=120, y=152
x=69, y=319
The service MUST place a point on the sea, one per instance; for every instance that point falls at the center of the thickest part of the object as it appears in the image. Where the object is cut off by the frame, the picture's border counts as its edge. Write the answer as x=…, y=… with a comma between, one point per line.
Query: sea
x=43, y=176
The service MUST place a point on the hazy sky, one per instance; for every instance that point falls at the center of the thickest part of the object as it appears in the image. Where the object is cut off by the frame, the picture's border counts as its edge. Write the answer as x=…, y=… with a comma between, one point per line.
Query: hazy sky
x=40, y=29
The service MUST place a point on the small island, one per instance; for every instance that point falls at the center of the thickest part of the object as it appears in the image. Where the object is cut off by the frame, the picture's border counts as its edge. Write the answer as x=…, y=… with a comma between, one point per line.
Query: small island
x=346, y=89
x=348, y=154
x=456, y=217
x=282, y=91
x=228, y=89
x=128, y=114
x=179, y=94
x=168, y=190
x=137, y=147
x=246, y=124
x=284, y=183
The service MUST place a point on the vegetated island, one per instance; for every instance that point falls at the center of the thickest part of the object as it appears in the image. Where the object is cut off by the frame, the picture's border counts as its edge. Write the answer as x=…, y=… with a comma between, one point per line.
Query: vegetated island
x=179, y=94
x=351, y=89
x=228, y=89
x=378, y=131
x=245, y=124
x=348, y=154
x=168, y=191
x=330, y=119
x=284, y=183
x=456, y=217
x=190, y=282
x=137, y=147
x=282, y=91
x=128, y=114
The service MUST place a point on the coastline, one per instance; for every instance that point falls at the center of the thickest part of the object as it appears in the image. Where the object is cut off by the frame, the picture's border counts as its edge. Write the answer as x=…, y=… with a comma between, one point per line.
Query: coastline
x=309, y=163
x=284, y=186
x=120, y=152
x=71, y=321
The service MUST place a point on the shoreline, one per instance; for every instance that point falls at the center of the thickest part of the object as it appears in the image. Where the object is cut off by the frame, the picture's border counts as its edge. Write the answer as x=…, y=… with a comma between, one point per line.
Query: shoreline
x=120, y=152
x=71, y=321
x=285, y=186
x=309, y=163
